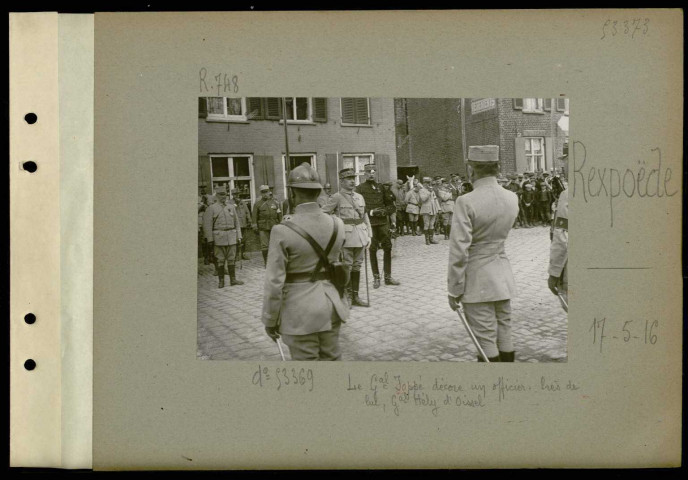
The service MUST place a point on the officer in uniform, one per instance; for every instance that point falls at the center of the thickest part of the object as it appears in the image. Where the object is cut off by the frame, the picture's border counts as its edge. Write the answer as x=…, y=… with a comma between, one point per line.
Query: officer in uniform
x=244, y=221
x=300, y=304
x=429, y=208
x=350, y=207
x=221, y=224
x=266, y=214
x=480, y=275
x=400, y=202
x=378, y=207
x=558, y=252
x=444, y=194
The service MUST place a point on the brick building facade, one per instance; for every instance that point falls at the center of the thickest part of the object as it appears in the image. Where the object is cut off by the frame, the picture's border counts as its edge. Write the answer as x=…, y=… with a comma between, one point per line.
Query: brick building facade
x=430, y=134
x=528, y=130
x=241, y=141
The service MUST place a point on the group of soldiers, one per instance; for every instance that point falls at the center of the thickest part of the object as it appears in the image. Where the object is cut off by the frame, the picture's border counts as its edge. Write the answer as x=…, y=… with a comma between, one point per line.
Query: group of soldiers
x=314, y=235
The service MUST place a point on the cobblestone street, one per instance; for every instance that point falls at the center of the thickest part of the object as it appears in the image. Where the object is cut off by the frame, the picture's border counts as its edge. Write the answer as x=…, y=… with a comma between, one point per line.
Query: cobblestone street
x=410, y=322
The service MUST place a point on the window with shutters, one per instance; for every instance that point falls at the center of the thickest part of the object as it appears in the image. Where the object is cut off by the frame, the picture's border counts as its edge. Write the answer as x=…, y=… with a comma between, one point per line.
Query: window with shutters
x=533, y=105
x=232, y=172
x=226, y=109
x=355, y=111
x=535, y=154
x=357, y=161
x=299, y=109
x=563, y=105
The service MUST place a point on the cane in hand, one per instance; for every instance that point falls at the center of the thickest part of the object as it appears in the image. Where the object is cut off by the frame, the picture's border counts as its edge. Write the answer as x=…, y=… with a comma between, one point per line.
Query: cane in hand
x=563, y=301
x=279, y=345
x=365, y=254
x=460, y=312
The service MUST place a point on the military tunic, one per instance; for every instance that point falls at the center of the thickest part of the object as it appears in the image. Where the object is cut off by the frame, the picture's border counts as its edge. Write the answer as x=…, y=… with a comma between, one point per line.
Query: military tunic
x=350, y=207
x=308, y=313
x=266, y=214
x=479, y=270
x=221, y=226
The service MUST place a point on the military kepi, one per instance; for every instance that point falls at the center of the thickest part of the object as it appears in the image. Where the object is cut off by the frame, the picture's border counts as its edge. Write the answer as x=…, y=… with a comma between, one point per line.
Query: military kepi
x=346, y=173
x=483, y=154
x=264, y=188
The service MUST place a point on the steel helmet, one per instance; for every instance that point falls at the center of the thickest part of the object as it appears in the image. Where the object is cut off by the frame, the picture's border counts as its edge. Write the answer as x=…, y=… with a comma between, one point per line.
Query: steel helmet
x=304, y=176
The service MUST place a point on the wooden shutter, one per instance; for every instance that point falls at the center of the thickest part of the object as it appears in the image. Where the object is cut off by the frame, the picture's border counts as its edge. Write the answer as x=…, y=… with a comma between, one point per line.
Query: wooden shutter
x=561, y=104
x=518, y=104
x=255, y=108
x=383, y=168
x=348, y=115
x=549, y=153
x=263, y=172
x=548, y=104
x=361, y=111
x=332, y=171
x=204, y=172
x=520, y=147
x=273, y=108
x=320, y=110
x=202, y=107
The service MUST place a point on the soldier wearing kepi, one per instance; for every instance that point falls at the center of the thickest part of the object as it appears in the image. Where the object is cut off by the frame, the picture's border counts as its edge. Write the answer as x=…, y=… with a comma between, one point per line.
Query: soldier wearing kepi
x=300, y=302
x=558, y=252
x=222, y=225
x=480, y=275
x=266, y=214
x=378, y=207
x=350, y=207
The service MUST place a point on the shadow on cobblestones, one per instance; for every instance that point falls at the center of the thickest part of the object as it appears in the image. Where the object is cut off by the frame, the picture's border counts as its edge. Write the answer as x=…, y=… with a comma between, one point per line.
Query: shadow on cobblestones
x=410, y=322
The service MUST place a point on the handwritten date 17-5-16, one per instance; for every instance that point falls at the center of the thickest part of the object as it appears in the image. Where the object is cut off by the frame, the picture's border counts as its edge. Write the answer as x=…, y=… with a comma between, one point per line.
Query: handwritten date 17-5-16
x=631, y=331
x=280, y=377
x=629, y=27
x=217, y=84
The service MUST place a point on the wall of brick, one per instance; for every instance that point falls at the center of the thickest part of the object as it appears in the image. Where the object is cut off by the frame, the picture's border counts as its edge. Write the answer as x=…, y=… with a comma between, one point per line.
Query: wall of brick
x=266, y=137
x=482, y=128
x=434, y=143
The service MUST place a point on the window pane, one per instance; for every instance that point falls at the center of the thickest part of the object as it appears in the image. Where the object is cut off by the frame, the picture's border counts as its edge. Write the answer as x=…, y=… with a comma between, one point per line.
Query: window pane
x=220, y=167
x=215, y=106
x=537, y=145
x=347, y=162
x=302, y=108
x=528, y=104
x=528, y=145
x=234, y=106
x=290, y=108
x=241, y=167
x=362, y=162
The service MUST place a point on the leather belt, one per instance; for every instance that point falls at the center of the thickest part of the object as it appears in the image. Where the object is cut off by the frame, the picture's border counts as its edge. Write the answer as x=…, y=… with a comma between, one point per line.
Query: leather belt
x=352, y=221
x=223, y=229
x=305, y=277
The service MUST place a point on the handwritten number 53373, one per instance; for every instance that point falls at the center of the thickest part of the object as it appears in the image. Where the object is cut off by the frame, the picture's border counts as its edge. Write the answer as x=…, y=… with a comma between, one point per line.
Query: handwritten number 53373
x=625, y=27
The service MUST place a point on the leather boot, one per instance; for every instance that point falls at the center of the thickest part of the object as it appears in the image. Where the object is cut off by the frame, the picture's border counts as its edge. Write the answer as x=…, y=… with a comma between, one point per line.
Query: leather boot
x=376, y=281
x=427, y=237
x=221, y=276
x=506, y=356
x=446, y=232
x=216, y=271
x=355, y=299
x=491, y=359
x=388, y=268
x=232, y=275
x=431, y=236
x=265, y=257
x=243, y=251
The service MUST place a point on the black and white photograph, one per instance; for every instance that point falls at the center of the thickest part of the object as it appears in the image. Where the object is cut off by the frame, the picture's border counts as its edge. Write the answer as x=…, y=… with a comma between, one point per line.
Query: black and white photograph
x=382, y=229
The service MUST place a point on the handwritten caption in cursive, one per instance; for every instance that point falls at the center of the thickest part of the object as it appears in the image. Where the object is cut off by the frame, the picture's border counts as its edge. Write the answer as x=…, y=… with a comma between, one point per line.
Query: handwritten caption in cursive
x=625, y=28
x=630, y=332
x=217, y=83
x=397, y=394
x=284, y=377
x=649, y=179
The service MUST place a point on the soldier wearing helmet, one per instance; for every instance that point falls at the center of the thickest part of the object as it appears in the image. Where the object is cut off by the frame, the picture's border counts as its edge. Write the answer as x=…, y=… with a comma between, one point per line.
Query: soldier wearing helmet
x=266, y=214
x=300, y=302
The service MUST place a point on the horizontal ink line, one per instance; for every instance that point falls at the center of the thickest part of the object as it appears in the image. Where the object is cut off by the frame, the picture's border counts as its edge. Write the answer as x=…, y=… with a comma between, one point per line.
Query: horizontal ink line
x=619, y=268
